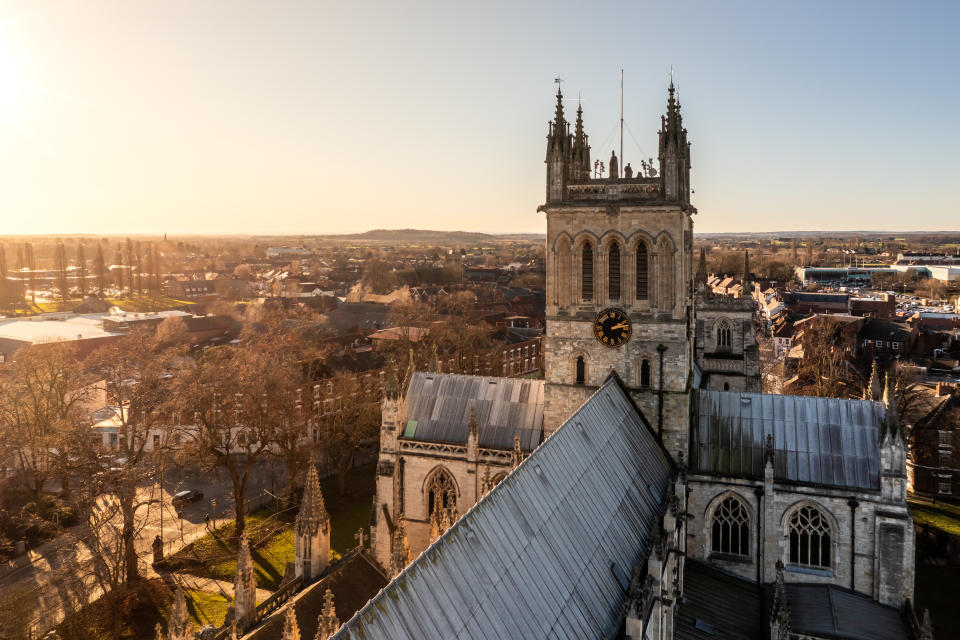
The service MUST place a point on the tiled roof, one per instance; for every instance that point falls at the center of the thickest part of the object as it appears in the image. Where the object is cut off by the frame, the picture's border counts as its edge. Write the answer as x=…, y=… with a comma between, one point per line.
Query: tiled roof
x=825, y=441
x=437, y=409
x=547, y=553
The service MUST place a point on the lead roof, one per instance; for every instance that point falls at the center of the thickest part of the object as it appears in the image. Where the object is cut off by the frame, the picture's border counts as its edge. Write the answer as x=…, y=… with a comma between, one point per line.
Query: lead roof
x=823, y=441
x=440, y=404
x=539, y=556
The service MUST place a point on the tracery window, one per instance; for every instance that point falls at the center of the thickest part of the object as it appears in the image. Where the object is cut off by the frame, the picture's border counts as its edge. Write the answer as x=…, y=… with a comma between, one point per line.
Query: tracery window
x=642, y=271
x=442, y=494
x=730, y=530
x=586, y=272
x=809, y=538
x=723, y=335
x=613, y=271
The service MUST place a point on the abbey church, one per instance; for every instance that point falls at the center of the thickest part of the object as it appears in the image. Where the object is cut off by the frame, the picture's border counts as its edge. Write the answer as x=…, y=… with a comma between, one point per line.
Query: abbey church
x=645, y=489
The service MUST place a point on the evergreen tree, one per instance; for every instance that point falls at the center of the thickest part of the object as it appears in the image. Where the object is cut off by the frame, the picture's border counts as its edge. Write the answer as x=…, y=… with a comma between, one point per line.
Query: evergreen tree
x=100, y=269
x=61, y=265
x=82, y=269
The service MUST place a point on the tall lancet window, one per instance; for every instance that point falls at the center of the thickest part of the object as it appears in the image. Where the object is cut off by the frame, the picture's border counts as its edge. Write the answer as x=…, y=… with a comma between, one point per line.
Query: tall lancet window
x=642, y=270
x=586, y=272
x=613, y=272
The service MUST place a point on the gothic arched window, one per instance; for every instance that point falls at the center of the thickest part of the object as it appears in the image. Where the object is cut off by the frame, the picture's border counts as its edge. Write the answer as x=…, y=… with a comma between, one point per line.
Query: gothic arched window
x=730, y=530
x=581, y=370
x=645, y=373
x=723, y=335
x=442, y=494
x=809, y=538
x=642, y=270
x=586, y=272
x=613, y=272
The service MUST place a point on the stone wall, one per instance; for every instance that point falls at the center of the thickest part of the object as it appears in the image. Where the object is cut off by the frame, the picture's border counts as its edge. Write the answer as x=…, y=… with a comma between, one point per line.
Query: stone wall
x=881, y=546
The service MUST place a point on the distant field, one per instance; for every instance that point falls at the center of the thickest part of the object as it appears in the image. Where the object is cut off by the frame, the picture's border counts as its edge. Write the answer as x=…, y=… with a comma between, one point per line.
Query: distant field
x=137, y=304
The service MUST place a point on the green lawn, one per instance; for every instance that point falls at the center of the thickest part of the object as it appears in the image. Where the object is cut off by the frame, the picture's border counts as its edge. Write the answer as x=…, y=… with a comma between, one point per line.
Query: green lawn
x=206, y=608
x=215, y=554
x=945, y=517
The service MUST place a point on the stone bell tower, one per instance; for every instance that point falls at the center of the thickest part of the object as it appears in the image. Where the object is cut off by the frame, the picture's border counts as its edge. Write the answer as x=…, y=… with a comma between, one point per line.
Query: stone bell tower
x=620, y=277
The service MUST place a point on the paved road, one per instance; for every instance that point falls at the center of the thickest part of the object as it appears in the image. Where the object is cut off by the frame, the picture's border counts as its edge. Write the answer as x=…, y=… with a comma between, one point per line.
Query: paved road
x=60, y=575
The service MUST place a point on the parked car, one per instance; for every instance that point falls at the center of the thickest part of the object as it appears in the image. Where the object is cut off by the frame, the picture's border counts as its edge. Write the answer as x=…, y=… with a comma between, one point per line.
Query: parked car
x=184, y=497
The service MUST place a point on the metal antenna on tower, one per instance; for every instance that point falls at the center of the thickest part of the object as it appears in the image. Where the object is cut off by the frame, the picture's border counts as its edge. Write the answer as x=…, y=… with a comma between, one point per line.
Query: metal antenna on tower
x=622, y=164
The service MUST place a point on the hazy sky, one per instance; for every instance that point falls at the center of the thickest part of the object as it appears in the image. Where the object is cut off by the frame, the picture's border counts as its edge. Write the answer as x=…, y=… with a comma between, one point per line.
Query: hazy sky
x=200, y=116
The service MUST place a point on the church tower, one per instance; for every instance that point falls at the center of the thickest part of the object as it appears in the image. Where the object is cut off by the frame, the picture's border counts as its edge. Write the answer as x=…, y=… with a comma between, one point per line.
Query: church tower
x=619, y=278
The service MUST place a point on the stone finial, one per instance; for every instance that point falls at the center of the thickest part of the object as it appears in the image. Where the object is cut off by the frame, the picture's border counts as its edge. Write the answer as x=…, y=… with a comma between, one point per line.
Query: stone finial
x=769, y=451
x=313, y=511
x=926, y=626
x=400, y=555
x=873, y=389
x=516, y=456
x=392, y=387
x=473, y=428
x=437, y=365
x=487, y=482
x=244, y=587
x=327, y=623
x=291, y=630
x=780, y=609
x=178, y=626
x=360, y=537
x=411, y=367
x=892, y=422
x=701, y=278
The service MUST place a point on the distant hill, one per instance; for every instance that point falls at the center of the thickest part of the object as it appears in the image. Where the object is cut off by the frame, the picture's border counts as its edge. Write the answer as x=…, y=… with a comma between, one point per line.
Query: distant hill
x=426, y=236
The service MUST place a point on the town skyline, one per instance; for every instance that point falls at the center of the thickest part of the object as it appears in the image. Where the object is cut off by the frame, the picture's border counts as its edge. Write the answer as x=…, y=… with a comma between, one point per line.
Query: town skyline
x=320, y=120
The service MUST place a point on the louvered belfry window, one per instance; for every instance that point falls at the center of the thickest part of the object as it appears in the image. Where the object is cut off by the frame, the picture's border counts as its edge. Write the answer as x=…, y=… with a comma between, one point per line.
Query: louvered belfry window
x=586, y=272
x=614, y=272
x=642, y=269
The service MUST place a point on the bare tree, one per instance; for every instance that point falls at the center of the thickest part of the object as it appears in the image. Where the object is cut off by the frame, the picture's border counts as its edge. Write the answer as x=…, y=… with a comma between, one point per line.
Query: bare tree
x=61, y=265
x=347, y=420
x=100, y=270
x=228, y=393
x=82, y=269
x=41, y=399
x=133, y=376
x=826, y=365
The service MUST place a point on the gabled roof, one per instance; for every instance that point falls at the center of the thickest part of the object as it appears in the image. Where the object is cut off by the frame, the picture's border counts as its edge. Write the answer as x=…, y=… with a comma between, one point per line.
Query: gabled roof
x=824, y=441
x=548, y=552
x=437, y=409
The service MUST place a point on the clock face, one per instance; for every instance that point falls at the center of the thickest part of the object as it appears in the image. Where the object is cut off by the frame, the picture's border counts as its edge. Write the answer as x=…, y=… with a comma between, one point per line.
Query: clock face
x=612, y=327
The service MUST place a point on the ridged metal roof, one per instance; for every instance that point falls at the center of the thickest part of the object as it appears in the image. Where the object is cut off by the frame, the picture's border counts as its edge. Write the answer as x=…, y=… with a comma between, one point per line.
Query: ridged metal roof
x=439, y=404
x=826, y=441
x=547, y=553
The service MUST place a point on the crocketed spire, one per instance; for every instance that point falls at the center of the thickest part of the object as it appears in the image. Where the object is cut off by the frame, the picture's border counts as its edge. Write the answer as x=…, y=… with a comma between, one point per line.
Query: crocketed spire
x=516, y=456
x=889, y=398
x=400, y=556
x=473, y=430
x=780, y=609
x=313, y=512
x=327, y=623
x=244, y=587
x=291, y=630
x=178, y=626
x=873, y=389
